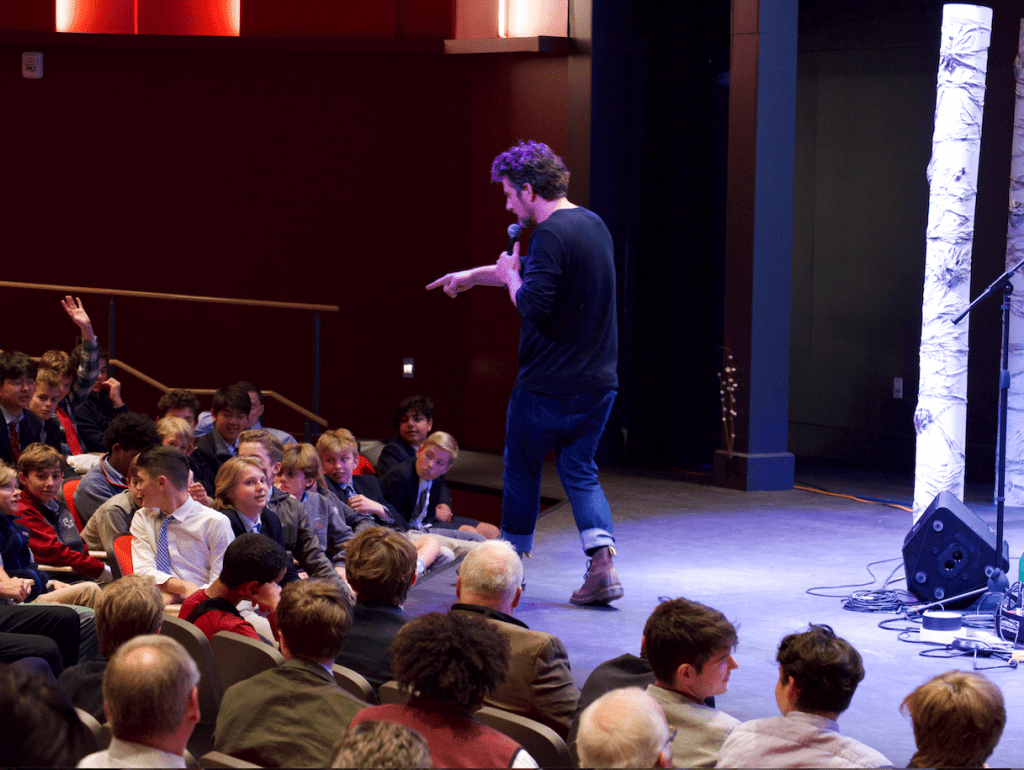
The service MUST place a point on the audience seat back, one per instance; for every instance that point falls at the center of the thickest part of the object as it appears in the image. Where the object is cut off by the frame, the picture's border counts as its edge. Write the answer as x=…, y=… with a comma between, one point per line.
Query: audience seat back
x=540, y=741
x=123, y=553
x=239, y=657
x=355, y=684
x=69, y=499
x=198, y=646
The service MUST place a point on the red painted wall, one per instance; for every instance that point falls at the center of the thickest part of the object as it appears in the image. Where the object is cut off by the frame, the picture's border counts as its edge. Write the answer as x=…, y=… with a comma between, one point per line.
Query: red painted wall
x=299, y=175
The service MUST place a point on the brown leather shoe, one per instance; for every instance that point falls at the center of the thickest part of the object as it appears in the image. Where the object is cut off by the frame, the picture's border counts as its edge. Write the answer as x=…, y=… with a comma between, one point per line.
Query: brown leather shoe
x=601, y=584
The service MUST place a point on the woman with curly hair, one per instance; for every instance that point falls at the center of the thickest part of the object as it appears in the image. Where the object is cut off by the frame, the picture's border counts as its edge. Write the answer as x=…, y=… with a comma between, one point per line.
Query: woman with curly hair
x=448, y=663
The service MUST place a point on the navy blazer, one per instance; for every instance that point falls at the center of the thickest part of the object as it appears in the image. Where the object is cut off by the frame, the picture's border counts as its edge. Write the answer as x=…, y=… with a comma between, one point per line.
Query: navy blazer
x=205, y=462
x=270, y=526
x=401, y=488
x=29, y=431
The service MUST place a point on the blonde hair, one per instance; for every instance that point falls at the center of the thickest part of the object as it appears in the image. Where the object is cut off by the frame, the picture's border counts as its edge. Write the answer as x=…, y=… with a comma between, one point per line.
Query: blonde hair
x=442, y=440
x=175, y=427
x=227, y=479
x=6, y=474
x=337, y=440
x=48, y=378
x=302, y=457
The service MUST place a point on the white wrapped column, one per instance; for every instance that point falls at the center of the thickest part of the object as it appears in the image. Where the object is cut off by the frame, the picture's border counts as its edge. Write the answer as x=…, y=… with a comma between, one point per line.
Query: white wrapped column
x=941, y=416
x=1014, y=489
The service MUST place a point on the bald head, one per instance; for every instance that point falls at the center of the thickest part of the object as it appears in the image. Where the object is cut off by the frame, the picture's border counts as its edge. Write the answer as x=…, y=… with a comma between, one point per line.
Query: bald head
x=491, y=575
x=623, y=728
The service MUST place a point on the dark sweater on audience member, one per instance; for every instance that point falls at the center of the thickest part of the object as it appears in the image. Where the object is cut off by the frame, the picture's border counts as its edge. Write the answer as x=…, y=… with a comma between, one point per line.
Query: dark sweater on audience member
x=394, y=452
x=374, y=627
x=93, y=417
x=83, y=684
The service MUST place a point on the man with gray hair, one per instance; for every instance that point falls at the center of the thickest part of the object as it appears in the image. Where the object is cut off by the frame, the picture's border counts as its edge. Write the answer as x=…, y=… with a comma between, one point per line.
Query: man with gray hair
x=624, y=728
x=539, y=683
x=151, y=700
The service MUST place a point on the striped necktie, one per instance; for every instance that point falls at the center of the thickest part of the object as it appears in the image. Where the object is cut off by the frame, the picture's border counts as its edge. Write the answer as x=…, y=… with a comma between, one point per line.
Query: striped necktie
x=163, y=554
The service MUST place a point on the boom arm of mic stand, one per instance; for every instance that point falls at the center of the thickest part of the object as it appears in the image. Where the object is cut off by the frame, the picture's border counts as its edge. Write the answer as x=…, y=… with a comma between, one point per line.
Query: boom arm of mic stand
x=996, y=285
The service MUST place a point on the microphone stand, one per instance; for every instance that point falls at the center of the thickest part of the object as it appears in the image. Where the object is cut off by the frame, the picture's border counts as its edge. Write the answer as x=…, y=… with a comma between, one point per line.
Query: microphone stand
x=1002, y=282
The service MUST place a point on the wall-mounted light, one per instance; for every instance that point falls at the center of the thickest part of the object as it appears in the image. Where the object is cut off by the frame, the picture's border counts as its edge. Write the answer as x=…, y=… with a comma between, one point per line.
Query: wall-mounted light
x=407, y=367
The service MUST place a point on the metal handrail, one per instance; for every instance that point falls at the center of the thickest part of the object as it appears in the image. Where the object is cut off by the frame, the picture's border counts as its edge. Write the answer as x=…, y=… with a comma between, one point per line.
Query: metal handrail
x=310, y=415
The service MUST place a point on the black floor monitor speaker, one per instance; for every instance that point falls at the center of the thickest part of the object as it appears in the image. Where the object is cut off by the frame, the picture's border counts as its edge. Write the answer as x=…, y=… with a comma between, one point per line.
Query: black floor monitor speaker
x=950, y=551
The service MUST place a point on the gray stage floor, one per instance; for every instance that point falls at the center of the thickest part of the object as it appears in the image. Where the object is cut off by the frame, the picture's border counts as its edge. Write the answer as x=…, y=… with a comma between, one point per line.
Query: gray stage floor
x=753, y=556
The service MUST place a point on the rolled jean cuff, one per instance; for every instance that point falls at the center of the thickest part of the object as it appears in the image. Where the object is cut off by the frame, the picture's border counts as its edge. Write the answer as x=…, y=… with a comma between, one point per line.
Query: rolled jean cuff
x=522, y=543
x=596, y=538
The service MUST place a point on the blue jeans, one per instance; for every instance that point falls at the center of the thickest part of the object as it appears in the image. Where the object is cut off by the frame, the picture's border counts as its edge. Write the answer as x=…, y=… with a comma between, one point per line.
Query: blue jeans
x=572, y=426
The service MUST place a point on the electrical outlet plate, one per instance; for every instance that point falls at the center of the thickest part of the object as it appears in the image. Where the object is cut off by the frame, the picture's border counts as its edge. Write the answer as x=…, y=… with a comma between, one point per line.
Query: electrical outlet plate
x=32, y=65
x=897, y=387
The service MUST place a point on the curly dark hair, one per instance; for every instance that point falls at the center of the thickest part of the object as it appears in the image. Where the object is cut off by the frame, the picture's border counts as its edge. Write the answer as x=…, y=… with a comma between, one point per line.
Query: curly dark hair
x=133, y=431
x=826, y=669
x=178, y=398
x=535, y=164
x=452, y=658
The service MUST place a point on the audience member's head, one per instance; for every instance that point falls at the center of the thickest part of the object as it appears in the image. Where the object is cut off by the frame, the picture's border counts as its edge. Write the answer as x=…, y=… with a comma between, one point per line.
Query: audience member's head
x=300, y=470
x=251, y=560
x=241, y=484
x=127, y=435
x=958, y=719
x=129, y=607
x=264, y=445
x=689, y=647
x=102, y=366
x=491, y=575
x=624, y=728
x=314, y=620
x=10, y=492
x=436, y=455
x=39, y=472
x=17, y=381
x=380, y=565
x=175, y=432
x=414, y=419
x=339, y=454
x=39, y=727
x=230, y=412
x=450, y=658
x=818, y=672
x=149, y=693
x=179, y=403
x=384, y=745
x=161, y=463
x=47, y=395
x=255, y=403
x=59, y=362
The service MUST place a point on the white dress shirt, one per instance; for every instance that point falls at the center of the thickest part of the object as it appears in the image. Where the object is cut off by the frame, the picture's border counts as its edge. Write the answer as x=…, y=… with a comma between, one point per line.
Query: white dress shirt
x=127, y=754
x=196, y=540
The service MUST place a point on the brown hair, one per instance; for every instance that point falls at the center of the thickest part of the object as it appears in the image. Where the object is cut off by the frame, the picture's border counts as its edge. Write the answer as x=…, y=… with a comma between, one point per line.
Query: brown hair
x=302, y=457
x=271, y=443
x=125, y=609
x=337, y=440
x=380, y=565
x=680, y=631
x=825, y=668
x=38, y=457
x=314, y=619
x=47, y=378
x=227, y=478
x=58, y=361
x=958, y=719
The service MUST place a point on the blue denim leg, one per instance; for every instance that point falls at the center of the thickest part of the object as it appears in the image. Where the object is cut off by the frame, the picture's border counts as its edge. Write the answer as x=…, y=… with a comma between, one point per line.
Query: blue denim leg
x=572, y=427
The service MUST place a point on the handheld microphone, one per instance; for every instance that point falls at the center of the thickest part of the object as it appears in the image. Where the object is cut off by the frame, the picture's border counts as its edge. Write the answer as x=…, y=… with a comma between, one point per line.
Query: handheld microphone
x=513, y=236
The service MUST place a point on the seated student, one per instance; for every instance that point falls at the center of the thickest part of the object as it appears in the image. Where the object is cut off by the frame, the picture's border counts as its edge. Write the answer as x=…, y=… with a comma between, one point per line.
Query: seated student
x=230, y=414
x=242, y=492
x=100, y=407
x=414, y=420
x=417, y=490
x=624, y=728
x=381, y=570
x=21, y=580
x=54, y=538
x=339, y=455
x=45, y=399
x=818, y=675
x=19, y=427
x=40, y=728
x=178, y=541
x=114, y=517
x=78, y=373
x=382, y=744
x=253, y=568
x=293, y=715
x=448, y=663
x=254, y=420
x=299, y=477
x=179, y=402
x=125, y=437
x=297, y=532
x=958, y=719
x=689, y=647
x=128, y=607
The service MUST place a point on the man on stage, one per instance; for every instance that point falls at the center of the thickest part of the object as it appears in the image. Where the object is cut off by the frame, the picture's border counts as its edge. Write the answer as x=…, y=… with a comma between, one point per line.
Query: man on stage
x=568, y=351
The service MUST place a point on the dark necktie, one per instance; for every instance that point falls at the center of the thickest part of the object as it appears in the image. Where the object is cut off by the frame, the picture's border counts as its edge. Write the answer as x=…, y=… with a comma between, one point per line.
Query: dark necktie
x=15, y=442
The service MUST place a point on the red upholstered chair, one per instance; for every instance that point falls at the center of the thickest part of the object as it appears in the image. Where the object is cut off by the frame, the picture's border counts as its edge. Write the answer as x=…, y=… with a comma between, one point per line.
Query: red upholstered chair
x=123, y=553
x=69, y=499
x=364, y=466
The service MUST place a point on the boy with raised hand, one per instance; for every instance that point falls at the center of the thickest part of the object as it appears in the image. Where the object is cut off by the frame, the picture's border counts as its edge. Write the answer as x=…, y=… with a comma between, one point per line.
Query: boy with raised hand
x=54, y=538
x=100, y=407
x=230, y=417
x=78, y=372
x=177, y=540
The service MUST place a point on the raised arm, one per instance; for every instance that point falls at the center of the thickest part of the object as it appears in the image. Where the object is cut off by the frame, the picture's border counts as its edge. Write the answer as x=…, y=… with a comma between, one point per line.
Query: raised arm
x=464, y=280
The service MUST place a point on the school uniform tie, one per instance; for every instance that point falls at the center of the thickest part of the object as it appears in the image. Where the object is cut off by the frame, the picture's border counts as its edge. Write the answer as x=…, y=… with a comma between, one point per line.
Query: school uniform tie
x=70, y=433
x=12, y=427
x=419, y=513
x=257, y=527
x=349, y=490
x=163, y=554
